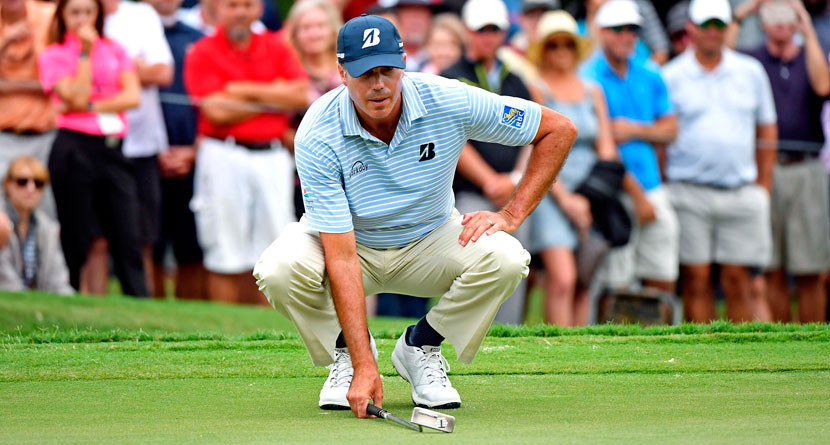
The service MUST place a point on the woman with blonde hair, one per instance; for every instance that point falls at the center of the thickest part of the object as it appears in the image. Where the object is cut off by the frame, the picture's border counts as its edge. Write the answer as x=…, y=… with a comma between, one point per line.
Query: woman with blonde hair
x=445, y=43
x=563, y=218
x=312, y=30
x=311, y=27
x=33, y=258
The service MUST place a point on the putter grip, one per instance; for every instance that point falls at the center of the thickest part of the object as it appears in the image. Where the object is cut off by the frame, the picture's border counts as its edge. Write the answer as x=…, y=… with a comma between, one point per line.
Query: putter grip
x=375, y=411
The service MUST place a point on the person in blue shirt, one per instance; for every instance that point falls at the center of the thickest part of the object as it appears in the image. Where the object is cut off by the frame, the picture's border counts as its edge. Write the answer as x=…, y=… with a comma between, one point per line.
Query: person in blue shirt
x=178, y=226
x=376, y=159
x=642, y=122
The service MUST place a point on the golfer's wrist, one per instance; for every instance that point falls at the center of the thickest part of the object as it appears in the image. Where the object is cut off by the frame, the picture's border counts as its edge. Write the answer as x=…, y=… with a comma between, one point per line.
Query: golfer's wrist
x=363, y=365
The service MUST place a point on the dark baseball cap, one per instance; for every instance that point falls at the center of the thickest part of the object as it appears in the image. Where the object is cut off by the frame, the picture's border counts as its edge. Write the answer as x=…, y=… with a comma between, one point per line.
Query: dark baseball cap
x=367, y=42
x=545, y=5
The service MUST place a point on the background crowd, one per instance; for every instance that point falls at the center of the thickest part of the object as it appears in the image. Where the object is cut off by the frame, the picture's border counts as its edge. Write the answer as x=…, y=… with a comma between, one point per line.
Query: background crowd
x=155, y=139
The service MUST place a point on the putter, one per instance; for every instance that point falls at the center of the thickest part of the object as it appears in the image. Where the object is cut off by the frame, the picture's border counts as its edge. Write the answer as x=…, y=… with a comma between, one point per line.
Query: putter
x=383, y=414
x=433, y=419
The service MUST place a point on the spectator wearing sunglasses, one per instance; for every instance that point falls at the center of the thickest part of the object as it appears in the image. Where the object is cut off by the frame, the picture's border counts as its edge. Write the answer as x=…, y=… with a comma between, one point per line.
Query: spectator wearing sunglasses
x=653, y=43
x=483, y=180
x=642, y=122
x=720, y=166
x=32, y=259
x=514, y=54
x=800, y=204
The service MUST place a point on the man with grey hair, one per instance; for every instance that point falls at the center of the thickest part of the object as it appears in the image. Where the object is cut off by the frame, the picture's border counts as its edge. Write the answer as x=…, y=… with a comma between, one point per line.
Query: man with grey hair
x=800, y=83
x=243, y=194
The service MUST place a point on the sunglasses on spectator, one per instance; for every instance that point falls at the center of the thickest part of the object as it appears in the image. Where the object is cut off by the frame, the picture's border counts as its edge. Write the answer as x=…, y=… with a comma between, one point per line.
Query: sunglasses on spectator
x=630, y=28
x=488, y=28
x=23, y=182
x=719, y=24
x=553, y=46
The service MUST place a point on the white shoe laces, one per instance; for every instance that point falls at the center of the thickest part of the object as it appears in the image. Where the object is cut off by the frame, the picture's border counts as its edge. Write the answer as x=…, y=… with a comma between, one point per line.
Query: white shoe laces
x=341, y=370
x=435, y=368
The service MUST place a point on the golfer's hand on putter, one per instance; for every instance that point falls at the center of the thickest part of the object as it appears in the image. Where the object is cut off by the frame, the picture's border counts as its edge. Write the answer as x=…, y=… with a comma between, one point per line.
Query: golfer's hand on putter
x=478, y=223
x=366, y=386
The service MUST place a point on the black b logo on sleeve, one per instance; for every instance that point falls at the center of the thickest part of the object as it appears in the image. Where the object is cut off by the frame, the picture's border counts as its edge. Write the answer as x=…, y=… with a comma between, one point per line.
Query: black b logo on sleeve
x=427, y=152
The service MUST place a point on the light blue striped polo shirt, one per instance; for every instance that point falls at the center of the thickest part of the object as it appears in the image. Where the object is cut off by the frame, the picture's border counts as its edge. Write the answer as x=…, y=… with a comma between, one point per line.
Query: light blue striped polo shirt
x=392, y=195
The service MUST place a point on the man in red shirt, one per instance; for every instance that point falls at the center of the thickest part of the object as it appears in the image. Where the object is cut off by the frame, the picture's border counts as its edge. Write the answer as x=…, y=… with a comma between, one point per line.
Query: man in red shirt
x=244, y=83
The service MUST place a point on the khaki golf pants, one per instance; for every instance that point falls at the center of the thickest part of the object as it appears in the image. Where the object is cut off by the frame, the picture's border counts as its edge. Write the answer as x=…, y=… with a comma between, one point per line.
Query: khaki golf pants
x=472, y=282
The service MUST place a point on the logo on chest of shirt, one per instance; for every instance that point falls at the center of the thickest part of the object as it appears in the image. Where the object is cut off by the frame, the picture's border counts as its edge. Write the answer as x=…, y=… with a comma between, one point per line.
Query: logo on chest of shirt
x=512, y=117
x=358, y=167
x=427, y=152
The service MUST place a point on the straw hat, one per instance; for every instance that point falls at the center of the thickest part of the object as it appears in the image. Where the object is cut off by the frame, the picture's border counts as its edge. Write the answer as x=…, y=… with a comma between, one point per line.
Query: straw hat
x=556, y=23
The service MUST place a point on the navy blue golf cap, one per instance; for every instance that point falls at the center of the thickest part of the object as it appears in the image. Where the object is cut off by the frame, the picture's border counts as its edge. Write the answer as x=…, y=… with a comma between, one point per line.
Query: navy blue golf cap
x=367, y=42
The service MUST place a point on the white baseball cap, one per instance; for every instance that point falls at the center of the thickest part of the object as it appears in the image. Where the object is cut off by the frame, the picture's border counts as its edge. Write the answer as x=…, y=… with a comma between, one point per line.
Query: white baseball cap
x=702, y=10
x=617, y=13
x=477, y=14
x=777, y=13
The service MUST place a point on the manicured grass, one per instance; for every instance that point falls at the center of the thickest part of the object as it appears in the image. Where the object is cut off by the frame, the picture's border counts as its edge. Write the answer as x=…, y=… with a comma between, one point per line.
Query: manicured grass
x=498, y=356
x=116, y=370
x=722, y=407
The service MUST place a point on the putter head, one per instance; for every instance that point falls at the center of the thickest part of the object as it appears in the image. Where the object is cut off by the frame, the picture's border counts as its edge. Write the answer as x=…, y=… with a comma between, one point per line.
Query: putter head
x=433, y=419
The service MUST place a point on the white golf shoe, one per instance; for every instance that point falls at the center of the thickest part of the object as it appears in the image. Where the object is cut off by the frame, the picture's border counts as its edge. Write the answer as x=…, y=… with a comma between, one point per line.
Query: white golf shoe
x=426, y=370
x=333, y=394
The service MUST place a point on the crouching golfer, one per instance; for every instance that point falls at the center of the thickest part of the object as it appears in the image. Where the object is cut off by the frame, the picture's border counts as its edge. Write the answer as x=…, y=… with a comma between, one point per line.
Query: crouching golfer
x=376, y=160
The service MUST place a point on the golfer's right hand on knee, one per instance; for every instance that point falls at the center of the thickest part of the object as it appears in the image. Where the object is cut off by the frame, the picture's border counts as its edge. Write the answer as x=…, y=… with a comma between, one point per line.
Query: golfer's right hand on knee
x=366, y=386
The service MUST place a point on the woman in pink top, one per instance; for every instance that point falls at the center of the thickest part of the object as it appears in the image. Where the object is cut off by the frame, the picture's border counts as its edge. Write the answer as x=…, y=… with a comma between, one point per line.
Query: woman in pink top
x=92, y=82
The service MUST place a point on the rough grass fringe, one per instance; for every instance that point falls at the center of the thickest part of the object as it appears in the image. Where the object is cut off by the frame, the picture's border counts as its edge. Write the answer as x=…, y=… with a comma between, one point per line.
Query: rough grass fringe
x=718, y=331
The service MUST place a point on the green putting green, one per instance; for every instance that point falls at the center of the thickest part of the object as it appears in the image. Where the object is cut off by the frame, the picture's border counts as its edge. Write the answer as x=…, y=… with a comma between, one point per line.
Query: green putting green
x=123, y=371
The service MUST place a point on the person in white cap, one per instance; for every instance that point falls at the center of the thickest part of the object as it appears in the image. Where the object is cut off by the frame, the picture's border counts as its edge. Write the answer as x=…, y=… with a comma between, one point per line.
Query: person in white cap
x=653, y=43
x=720, y=167
x=642, y=122
x=800, y=82
x=484, y=179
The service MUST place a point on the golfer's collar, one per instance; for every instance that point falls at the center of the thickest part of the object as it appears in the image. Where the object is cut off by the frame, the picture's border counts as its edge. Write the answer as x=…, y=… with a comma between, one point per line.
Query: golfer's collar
x=413, y=108
x=348, y=121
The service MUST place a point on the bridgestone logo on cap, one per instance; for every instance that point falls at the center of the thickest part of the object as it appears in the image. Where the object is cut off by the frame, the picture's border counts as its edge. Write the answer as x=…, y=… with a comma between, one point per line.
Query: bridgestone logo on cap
x=371, y=37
